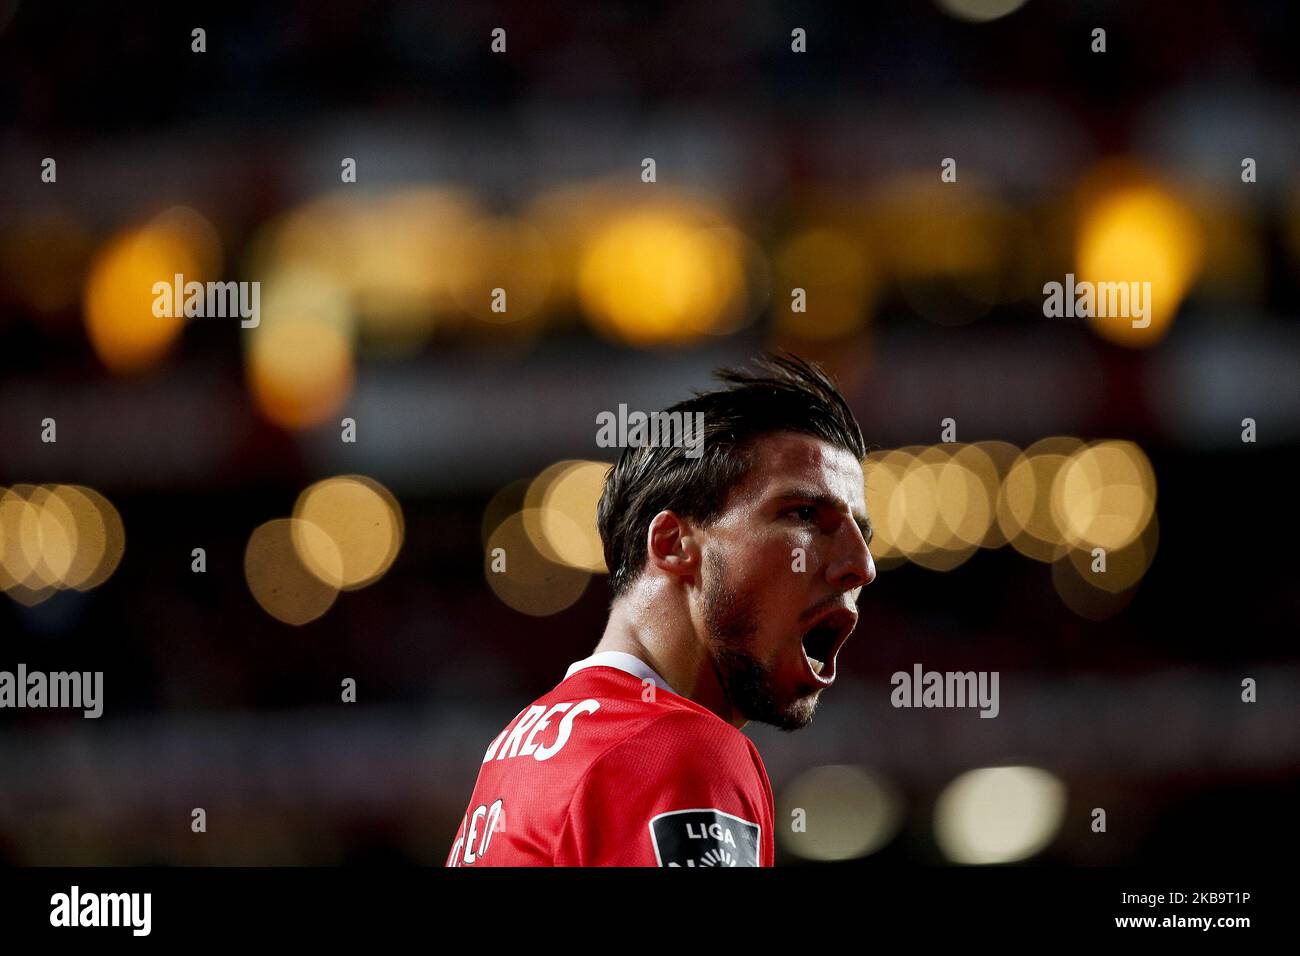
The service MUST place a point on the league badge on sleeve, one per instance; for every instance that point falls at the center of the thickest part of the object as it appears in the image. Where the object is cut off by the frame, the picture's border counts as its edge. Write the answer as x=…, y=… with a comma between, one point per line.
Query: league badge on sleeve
x=704, y=838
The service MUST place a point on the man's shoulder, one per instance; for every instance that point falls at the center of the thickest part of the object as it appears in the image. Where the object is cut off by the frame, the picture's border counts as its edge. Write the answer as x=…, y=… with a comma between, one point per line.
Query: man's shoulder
x=678, y=736
x=585, y=715
x=639, y=720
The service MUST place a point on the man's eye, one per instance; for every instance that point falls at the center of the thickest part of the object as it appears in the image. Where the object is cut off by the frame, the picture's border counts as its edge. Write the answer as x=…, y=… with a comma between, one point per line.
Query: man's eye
x=805, y=512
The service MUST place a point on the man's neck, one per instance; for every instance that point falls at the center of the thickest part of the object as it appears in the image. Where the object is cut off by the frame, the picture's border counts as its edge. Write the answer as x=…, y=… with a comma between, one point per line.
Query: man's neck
x=667, y=644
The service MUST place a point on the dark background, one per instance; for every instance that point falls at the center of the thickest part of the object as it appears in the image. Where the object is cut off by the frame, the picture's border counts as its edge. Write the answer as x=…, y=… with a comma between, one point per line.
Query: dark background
x=211, y=702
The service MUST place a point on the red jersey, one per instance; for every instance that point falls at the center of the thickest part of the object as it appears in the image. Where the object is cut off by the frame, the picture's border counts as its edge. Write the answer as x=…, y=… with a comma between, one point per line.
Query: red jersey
x=612, y=768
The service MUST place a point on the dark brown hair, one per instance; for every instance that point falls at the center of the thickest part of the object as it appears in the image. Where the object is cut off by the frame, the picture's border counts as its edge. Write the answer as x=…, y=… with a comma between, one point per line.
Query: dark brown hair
x=777, y=393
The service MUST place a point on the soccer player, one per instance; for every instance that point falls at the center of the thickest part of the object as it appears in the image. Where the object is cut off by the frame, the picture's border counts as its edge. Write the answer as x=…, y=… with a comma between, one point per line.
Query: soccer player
x=735, y=576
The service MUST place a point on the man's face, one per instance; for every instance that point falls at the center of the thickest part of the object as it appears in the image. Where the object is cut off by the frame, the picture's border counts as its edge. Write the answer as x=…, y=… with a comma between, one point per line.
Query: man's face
x=782, y=569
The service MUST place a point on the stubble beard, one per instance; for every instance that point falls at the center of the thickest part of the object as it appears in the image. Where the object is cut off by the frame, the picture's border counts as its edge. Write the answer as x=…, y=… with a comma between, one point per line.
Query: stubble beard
x=730, y=624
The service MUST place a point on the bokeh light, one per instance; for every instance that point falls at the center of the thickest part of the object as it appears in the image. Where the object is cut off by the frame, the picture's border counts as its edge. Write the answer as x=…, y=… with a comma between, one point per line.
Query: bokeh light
x=277, y=577
x=1096, y=591
x=1024, y=506
x=883, y=472
x=952, y=253
x=1136, y=230
x=847, y=813
x=525, y=579
x=392, y=257
x=1104, y=495
x=663, y=274
x=567, y=525
x=105, y=537
x=1002, y=455
x=119, y=297
x=300, y=370
x=362, y=528
x=932, y=505
x=508, y=254
x=936, y=505
x=835, y=270
x=979, y=11
x=56, y=537
x=999, y=814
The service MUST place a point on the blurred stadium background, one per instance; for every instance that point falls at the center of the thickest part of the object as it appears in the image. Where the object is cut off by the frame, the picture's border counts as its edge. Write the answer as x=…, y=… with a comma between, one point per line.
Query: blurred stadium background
x=476, y=428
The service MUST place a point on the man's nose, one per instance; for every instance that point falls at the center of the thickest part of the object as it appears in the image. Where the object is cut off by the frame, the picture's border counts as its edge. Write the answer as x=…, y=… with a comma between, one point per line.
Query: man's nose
x=854, y=568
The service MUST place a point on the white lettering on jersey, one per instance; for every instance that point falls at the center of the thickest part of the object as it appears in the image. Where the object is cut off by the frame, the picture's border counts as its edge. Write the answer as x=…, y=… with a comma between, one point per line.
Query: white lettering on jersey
x=705, y=837
x=531, y=743
x=710, y=832
x=532, y=722
x=470, y=855
x=495, y=820
x=511, y=747
x=454, y=859
x=588, y=706
x=491, y=751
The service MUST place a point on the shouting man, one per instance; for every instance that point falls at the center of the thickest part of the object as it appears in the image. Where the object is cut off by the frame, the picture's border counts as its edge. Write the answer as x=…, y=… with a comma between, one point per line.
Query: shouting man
x=735, y=575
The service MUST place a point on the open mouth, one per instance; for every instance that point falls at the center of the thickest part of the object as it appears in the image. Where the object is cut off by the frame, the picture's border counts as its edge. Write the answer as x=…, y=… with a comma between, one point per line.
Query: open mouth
x=823, y=640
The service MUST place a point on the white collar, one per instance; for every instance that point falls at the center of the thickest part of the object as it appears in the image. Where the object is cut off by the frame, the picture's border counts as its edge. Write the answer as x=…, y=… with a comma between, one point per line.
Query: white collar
x=624, y=662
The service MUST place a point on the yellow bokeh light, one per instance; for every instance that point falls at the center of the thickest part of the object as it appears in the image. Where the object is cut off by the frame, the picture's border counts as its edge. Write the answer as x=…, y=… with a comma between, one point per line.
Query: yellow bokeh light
x=390, y=257
x=1001, y=456
x=532, y=512
x=362, y=522
x=1077, y=590
x=569, y=216
x=18, y=523
x=1096, y=584
x=54, y=537
x=300, y=370
x=277, y=577
x=883, y=472
x=929, y=504
x=977, y=471
x=506, y=254
x=91, y=535
x=835, y=270
x=952, y=252
x=1136, y=231
x=119, y=298
x=1025, y=513
x=1123, y=567
x=125, y=333
x=113, y=545
x=407, y=249
x=507, y=501
x=522, y=577
x=568, y=516
x=662, y=275
x=1104, y=495
x=57, y=535
x=965, y=511
x=914, y=509
x=939, y=492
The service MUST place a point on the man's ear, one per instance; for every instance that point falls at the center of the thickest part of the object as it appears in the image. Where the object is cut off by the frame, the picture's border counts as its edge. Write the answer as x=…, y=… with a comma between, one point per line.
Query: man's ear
x=671, y=545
